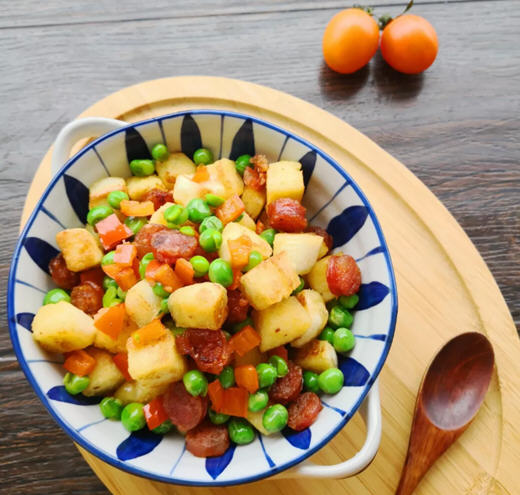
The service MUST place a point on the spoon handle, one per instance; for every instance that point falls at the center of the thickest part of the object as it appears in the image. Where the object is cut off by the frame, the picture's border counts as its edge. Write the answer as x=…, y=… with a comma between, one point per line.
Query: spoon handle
x=427, y=443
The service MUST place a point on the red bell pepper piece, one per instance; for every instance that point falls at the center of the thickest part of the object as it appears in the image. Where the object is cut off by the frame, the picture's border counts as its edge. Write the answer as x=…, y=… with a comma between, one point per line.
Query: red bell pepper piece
x=111, y=231
x=111, y=321
x=247, y=377
x=121, y=361
x=244, y=340
x=155, y=413
x=79, y=362
x=125, y=254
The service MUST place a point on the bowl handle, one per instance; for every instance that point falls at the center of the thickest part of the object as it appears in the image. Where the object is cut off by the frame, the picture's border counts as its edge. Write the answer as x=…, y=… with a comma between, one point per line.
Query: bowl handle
x=371, y=412
x=79, y=129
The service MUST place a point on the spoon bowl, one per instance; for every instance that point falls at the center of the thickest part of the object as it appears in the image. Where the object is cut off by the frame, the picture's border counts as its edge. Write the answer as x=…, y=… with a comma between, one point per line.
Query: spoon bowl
x=449, y=398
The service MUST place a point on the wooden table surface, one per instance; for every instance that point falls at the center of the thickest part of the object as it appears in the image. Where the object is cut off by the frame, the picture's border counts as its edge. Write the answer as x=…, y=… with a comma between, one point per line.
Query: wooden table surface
x=457, y=127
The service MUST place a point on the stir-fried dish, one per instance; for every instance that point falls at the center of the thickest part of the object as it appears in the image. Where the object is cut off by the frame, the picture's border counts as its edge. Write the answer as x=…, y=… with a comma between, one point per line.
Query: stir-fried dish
x=198, y=300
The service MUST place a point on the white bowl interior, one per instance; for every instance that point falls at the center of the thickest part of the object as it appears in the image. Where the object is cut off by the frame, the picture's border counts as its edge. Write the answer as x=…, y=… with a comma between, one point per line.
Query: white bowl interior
x=332, y=200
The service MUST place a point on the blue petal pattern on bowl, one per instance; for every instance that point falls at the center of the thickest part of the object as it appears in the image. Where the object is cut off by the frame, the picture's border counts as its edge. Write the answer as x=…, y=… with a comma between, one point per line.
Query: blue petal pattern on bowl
x=332, y=199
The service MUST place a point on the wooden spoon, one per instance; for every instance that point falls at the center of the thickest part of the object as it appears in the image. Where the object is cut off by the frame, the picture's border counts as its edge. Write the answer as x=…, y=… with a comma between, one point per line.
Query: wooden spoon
x=450, y=395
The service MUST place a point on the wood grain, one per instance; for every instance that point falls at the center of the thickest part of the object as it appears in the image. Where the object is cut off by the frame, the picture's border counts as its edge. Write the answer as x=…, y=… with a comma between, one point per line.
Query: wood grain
x=456, y=127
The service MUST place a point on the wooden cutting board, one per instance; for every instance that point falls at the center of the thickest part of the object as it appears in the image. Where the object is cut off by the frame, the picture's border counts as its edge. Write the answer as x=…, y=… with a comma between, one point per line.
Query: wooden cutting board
x=444, y=287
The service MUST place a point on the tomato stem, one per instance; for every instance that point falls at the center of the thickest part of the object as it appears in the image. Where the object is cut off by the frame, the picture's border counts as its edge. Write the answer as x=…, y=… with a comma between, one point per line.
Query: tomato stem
x=385, y=19
x=369, y=10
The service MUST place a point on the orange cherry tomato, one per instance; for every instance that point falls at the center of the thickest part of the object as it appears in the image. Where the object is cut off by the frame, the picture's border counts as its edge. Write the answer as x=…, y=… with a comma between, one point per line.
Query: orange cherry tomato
x=409, y=44
x=350, y=40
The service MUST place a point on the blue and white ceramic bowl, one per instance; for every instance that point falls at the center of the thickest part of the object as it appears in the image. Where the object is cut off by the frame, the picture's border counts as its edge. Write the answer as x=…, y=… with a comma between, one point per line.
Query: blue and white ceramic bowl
x=333, y=200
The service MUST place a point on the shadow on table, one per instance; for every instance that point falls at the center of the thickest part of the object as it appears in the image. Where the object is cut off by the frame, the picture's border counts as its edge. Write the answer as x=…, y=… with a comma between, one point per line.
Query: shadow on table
x=388, y=83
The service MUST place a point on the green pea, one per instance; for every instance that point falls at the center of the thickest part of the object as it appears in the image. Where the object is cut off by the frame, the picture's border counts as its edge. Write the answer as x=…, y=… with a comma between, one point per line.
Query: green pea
x=214, y=200
x=198, y=210
x=108, y=282
x=135, y=223
x=340, y=317
x=327, y=334
x=177, y=331
x=98, y=213
x=349, y=302
x=110, y=297
x=187, y=230
x=210, y=240
x=55, y=296
x=144, y=263
x=75, y=384
x=217, y=418
x=258, y=401
x=142, y=168
x=115, y=198
x=203, y=156
x=220, y=272
x=266, y=375
x=121, y=294
x=310, y=381
x=195, y=383
x=268, y=235
x=111, y=408
x=132, y=417
x=242, y=162
x=300, y=287
x=211, y=222
x=200, y=265
x=163, y=428
x=280, y=365
x=275, y=418
x=344, y=340
x=164, y=306
x=158, y=290
x=227, y=377
x=240, y=431
x=238, y=326
x=331, y=380
x=108, y=259
x=160, y=152
x=176, y=215
x=255, y=258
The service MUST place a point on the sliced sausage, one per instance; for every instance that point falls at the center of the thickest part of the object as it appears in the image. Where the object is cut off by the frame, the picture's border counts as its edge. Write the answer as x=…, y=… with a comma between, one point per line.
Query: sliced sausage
x=158, y=197
x=207, y=440
x=88, y=297
x=287, y=215
x=304, y=411
x=143, y=238
x=238, y=306
x=287, y=388
x=209, y=348
x=343, y=275
x=170, y=245
x=185, y=411
x=61, y=275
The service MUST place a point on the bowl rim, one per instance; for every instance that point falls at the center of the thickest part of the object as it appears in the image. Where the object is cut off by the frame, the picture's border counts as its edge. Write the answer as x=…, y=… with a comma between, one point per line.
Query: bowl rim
x=91, y=447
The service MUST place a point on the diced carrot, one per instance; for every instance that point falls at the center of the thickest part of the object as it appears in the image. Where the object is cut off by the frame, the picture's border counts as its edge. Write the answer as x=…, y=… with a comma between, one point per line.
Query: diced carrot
x=216, y=394
x=184, y=270
x=79, y=362
x=155, y=413
x=279, y=351
x=151, y=268
x=235, y=402
x=111, y=320
x=237, y=275
x=94, y=275
x=125, y=254
x=111, y=231
x=260, y=227
x=239, y=250
x=149, y=333
x=247, y=377
x=126, y=278
x=167, y=277
x=137, y=209
x=231, y=209
x=121, y=361
x=112, y=269
x=244, y=340
x=201, y=174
